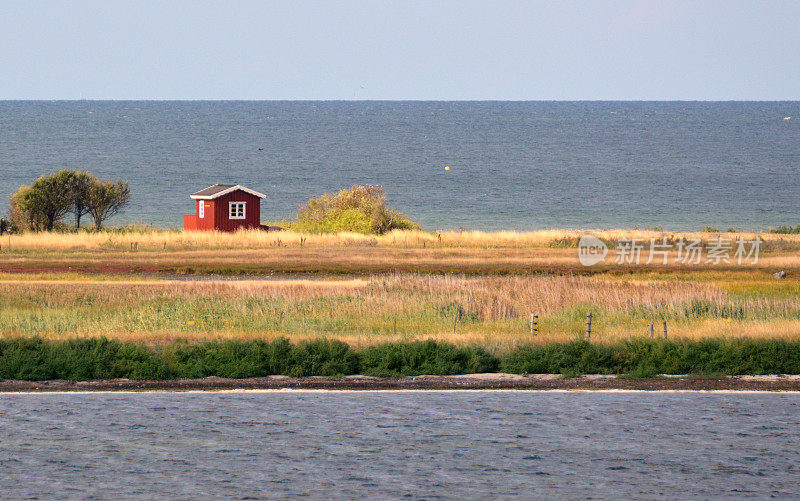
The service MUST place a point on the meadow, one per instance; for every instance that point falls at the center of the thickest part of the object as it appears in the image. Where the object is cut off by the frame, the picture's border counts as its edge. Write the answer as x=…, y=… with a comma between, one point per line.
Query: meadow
x=462, y=288
x=258, y=253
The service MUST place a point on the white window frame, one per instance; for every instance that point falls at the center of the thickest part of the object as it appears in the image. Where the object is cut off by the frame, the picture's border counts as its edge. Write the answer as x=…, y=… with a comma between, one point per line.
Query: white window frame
x=233, y=212
x=201, y=209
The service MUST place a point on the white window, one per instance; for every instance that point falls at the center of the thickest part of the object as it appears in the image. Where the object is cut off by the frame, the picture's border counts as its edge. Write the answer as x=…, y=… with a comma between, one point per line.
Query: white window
x=236, y=210
x=201, y=209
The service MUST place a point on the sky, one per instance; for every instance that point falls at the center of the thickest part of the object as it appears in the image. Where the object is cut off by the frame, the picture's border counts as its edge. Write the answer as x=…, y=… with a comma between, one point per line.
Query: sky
x=404, y=50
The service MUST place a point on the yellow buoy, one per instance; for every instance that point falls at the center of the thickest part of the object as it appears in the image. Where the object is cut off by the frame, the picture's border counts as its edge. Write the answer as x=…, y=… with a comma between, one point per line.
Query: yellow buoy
x=447, y=167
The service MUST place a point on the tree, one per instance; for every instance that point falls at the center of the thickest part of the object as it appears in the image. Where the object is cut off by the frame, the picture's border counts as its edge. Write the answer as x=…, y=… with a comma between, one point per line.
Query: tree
x=49, y=198
x=21, y=216
x=82, y=183
x=106, y=199
x=44, y=204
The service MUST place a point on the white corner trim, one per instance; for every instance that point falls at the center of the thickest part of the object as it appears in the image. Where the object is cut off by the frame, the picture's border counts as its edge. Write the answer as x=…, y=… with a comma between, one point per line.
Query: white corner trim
x=225, y=192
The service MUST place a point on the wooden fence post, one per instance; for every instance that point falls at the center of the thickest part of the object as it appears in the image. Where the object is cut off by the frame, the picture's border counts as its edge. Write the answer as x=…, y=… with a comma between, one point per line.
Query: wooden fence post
x=651, y=331
x=665, y=330
x=589, y=325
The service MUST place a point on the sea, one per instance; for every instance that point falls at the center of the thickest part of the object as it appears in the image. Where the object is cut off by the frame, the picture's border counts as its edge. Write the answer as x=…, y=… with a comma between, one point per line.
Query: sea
x=400, y=445
x=512, y=165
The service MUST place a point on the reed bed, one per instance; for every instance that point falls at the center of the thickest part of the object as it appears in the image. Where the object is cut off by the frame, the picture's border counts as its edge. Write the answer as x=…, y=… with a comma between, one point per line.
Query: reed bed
x=490, y=311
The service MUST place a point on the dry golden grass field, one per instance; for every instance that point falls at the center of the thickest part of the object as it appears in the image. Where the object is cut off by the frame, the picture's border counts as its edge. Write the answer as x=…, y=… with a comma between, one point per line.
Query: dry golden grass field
x=465, y=288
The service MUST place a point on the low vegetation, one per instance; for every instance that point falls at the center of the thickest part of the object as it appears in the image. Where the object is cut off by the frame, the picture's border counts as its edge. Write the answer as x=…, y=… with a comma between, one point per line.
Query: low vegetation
x=493, y=312
x=786, y=230
x=403, y=302
x=141, y=250
x=641, y=357
x=425, y=357
x=145, y=238
x=99, y=358
x=358, y=209
x=87, y=359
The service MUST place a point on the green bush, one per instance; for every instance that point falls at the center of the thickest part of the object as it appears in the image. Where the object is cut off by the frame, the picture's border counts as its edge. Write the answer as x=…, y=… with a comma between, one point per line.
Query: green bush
x=577, y=357
x=231, y=359
x=786, y=230
x=323, y=358
x=425, y=357
x=711, y=356
x=360, y=209
x=642, y=372
x=25, y=359
x=78, y=359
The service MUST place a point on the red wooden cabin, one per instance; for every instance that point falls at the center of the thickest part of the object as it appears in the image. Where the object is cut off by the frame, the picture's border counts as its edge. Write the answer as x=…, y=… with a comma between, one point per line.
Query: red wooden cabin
x=225, y=207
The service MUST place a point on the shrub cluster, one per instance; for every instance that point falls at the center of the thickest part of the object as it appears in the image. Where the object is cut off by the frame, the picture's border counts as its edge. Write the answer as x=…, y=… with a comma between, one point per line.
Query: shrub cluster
x=786, y=230
x=360, y=209
x=85, y=359
x=234, y=359
x=44, y=204
x=710, y=356
x=425, y=357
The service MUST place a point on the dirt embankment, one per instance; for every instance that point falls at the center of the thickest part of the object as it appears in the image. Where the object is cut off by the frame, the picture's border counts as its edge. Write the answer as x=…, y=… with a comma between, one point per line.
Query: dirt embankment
x=465, y=382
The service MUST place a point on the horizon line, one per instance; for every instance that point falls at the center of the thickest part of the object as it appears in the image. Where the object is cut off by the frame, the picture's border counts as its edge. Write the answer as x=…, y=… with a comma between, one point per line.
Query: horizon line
x=412, y=100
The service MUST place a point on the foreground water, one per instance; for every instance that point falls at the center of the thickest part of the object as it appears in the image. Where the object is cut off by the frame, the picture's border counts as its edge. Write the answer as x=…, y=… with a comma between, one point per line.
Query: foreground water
x=514, y=165
x=452, y=445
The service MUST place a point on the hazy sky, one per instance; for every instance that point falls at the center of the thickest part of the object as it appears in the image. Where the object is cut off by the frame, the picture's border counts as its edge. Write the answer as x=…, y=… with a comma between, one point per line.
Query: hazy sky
x=527, y=50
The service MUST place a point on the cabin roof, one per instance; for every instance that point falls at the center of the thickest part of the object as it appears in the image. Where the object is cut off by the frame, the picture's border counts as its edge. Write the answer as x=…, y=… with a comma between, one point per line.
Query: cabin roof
x=218, y=190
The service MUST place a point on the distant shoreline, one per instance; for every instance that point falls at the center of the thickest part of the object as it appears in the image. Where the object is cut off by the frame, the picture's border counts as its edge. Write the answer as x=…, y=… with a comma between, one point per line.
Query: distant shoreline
x=497, y=381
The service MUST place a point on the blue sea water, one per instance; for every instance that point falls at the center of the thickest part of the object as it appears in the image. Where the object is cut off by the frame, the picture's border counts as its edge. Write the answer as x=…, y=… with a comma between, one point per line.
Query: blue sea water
x=514, y=165
x=400, y=445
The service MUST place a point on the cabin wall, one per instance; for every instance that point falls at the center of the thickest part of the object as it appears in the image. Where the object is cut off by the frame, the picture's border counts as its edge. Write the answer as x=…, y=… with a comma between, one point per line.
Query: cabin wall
x=190, y=222
x=252, y=212
x=207, y=223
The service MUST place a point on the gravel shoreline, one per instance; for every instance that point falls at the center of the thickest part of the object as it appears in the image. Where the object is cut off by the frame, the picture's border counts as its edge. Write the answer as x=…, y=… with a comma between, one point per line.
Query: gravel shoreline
x=462, y=382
